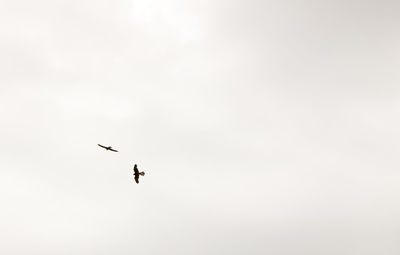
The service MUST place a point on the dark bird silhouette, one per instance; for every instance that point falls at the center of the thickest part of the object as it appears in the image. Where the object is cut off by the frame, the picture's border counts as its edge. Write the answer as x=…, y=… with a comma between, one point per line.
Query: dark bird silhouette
x=137, y=173
x=109, y=148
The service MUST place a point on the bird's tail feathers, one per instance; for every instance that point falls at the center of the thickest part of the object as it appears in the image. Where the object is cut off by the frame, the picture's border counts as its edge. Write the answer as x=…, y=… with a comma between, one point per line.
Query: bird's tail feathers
x=141, y=173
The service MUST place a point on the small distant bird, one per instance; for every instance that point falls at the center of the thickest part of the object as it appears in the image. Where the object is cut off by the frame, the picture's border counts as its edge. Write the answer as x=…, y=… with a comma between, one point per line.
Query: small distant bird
x=109, y=148
x=137, y=173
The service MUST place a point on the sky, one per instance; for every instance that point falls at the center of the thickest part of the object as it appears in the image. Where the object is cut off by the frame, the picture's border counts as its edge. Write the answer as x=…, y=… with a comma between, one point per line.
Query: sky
x=263, y=127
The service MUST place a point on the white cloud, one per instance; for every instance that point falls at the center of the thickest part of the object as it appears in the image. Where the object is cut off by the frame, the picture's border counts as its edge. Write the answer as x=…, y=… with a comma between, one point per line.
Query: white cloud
x=262, y=126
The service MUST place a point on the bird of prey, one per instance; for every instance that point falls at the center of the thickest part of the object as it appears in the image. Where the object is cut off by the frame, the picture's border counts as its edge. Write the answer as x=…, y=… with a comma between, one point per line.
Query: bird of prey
x=109, y=148
x=137, y=173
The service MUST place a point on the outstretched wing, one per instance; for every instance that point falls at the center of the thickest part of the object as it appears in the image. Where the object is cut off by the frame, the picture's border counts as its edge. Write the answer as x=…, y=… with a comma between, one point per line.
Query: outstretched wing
x=136, y=171
x=111, y=149
x=102, y=146
x=136, y=178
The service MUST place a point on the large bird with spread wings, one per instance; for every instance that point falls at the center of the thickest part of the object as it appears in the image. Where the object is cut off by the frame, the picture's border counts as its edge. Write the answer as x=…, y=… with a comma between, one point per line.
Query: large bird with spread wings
x=109, y=148
x=137, y=173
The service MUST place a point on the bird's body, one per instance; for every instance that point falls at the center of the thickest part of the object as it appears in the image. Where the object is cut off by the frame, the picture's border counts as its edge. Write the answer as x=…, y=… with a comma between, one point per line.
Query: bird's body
x=109, y=148
x=137, y=173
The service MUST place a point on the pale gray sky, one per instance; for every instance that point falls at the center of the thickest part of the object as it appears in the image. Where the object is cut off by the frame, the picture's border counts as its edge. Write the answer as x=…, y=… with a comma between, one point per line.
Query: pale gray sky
x=264, y=127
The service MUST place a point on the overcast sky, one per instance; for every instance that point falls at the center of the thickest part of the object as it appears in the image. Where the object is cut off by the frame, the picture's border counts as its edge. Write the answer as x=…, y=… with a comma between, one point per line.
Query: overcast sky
x=264, y=127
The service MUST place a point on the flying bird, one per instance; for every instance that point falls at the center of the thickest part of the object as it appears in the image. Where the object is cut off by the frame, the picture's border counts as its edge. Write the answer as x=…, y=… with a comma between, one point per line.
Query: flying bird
x=109, y=148
x=137, y=173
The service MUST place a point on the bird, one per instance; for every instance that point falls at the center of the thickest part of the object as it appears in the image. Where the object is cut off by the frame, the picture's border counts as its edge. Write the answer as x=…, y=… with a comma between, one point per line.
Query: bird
x=109, y=148
x=137, y=173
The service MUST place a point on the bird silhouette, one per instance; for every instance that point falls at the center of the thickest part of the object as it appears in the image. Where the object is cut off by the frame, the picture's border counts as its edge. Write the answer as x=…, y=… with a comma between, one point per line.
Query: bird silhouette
x=137, y=173
x=109, y=148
